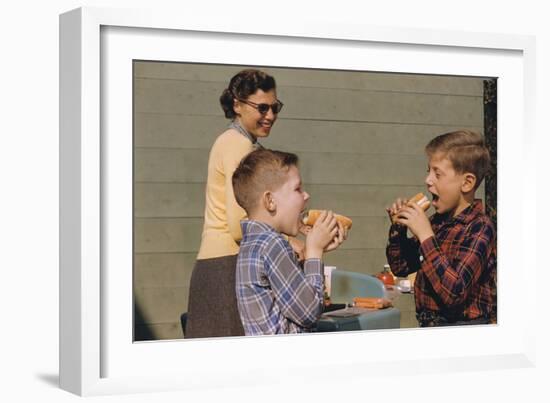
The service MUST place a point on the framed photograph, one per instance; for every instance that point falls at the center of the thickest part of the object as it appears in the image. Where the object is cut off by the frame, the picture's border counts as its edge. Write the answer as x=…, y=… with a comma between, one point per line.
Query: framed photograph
x=360, y=139
x=109, y=59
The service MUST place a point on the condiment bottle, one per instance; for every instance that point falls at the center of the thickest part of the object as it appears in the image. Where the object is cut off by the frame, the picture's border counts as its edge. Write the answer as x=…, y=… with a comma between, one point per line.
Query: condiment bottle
x=386, y=276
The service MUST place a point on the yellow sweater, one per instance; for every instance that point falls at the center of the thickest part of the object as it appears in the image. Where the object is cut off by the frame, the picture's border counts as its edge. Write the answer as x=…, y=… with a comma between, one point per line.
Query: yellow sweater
x=222, y=215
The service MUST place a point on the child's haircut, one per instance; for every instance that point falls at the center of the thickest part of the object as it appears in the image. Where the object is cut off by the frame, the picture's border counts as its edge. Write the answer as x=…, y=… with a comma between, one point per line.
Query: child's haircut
x=465, y=149
x=261, y=170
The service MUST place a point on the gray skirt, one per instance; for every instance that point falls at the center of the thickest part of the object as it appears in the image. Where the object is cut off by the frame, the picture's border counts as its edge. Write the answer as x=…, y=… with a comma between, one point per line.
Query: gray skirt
x=212, y=309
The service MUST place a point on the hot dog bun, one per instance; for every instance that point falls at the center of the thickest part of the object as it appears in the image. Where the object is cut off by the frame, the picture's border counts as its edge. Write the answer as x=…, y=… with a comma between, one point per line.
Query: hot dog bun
x=312, y=215
x=371, y=303
x=419, y=199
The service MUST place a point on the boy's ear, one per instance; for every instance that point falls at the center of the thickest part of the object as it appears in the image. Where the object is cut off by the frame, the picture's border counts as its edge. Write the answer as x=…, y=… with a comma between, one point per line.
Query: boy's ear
x=468, y=182
x=268, y=202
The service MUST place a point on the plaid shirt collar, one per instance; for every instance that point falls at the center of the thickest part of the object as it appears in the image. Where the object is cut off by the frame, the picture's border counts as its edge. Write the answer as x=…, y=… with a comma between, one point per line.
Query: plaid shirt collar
x=467, y=215
x=255, y=227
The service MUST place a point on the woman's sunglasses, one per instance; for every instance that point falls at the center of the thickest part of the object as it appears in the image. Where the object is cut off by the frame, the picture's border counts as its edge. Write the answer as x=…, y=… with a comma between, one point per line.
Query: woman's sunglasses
x=264, y=108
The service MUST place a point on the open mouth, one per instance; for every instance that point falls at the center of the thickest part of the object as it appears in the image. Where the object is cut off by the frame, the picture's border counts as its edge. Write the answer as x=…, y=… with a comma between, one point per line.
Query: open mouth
x=435, y=199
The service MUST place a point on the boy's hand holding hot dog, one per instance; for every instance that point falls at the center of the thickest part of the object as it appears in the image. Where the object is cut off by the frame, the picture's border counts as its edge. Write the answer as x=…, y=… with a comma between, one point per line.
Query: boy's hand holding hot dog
x=325, y=235
x=414, y=217
x=312, y=215
x=411, y=214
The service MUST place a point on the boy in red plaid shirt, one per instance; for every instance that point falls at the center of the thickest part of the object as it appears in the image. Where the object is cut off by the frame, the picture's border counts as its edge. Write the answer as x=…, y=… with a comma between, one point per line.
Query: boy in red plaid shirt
x=453, y=251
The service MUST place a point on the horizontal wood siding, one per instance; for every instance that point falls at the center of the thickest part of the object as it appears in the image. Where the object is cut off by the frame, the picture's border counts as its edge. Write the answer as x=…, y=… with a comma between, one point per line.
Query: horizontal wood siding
x=360, y=138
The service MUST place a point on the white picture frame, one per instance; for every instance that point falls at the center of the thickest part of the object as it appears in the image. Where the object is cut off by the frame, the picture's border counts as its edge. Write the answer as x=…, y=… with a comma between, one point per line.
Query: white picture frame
x=96, y=354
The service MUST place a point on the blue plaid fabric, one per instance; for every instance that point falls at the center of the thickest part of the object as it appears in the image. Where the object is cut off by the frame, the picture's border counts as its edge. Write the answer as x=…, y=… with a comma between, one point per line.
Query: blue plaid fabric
x=274, y=294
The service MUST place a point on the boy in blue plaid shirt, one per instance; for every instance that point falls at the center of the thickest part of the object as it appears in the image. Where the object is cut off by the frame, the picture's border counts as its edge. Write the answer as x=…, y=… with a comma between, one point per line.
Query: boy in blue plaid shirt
x=274, y=293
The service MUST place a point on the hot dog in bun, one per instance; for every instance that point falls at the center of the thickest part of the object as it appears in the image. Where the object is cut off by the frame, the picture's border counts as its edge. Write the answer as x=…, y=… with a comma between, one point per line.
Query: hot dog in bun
x=312, y=215
x=419, y=199
x=371, y=302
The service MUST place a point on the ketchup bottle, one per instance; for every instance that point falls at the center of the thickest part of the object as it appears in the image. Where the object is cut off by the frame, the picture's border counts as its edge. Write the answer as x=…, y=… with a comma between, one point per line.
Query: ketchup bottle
x=386, y=276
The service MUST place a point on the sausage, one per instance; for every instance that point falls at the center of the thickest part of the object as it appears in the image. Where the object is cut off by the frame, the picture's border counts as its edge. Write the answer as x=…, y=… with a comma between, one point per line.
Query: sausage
x=371, y=303
x=312, y=216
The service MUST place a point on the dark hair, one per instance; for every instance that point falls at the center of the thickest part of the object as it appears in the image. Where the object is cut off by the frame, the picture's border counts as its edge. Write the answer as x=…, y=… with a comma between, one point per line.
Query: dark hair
x=259, y=171
x=465, y=149
x=241, y=86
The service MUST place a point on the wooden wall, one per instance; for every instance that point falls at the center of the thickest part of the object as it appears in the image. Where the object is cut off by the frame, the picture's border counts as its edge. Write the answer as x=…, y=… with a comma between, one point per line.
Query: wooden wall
x=360, y=137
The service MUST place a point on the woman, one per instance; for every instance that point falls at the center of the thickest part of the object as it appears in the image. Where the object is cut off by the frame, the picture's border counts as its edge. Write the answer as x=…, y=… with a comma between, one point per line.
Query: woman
x=250, y=101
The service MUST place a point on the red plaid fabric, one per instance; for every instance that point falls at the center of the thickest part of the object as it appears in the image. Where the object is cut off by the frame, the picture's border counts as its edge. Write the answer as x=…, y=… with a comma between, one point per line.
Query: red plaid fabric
x=456, y=276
